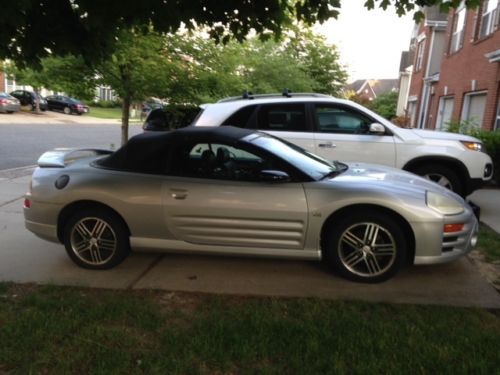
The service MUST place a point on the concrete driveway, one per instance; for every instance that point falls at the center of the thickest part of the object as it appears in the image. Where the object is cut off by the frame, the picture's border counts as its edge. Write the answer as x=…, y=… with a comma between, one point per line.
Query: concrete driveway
x=51, y=117
x=25, y=258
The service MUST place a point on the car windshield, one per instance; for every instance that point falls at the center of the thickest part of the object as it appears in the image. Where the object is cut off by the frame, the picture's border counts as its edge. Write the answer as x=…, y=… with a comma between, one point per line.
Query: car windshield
x=312, y=165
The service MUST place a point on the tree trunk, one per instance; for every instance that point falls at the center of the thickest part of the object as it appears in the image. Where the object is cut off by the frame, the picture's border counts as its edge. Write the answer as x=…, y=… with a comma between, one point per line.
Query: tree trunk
x=37, y=100
x=125, y=117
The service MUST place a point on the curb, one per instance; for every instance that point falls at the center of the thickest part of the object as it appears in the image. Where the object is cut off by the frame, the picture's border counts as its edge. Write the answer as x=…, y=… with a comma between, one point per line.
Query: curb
x=12, y=173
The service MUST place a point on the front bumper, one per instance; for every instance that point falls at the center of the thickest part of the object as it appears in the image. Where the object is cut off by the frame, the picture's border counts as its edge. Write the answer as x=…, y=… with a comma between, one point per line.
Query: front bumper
x=453, y=245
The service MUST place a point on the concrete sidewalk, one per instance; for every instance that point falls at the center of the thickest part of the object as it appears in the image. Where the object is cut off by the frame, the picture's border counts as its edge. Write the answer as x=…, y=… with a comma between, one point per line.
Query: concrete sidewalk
x=26, y=258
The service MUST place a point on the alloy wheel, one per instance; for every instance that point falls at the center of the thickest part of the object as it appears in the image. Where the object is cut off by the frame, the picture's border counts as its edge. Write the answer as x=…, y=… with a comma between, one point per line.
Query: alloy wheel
x=439, y=179
x=93, y=241
x=367, y=249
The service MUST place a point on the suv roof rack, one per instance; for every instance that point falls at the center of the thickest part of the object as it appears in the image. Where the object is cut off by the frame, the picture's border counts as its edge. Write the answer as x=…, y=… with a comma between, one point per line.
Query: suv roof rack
x=247, y=95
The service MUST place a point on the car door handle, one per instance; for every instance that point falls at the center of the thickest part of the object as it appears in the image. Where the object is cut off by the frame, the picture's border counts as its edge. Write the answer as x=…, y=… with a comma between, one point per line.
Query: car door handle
x=327, y=145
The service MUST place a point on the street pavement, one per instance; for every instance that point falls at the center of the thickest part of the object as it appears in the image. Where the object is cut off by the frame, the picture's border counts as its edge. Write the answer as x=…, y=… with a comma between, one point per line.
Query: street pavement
x=24, y=258
x=25, y=136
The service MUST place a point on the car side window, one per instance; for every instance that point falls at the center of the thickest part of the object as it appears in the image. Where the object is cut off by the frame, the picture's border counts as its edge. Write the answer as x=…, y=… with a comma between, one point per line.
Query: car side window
x=219, y=162
x=283, y=117
x=341, y=120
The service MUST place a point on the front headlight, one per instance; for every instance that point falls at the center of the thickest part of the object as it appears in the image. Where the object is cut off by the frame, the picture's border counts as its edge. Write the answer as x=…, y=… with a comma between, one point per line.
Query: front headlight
x=443, y=204
x=473, y=146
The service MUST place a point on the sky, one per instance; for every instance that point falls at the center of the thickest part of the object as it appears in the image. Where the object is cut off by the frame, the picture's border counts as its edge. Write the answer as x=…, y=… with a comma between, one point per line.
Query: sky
x=370, y=42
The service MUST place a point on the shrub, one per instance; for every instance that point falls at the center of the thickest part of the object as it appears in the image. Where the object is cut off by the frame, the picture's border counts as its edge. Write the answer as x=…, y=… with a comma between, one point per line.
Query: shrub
x=385, y=104
x=491, y=140
x=108, y=103
x=401, y=121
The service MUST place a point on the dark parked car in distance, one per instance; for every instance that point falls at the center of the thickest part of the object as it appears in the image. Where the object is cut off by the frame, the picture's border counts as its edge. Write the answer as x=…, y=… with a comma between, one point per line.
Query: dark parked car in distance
x=66, y=104
x=29, y=98
x=8, y=104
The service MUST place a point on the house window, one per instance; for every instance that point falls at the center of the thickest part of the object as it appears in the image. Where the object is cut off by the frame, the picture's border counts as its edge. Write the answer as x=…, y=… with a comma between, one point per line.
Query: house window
x=497, y=122
x=444, y=112
x=457, y=36
x=412, y=111
x=489, y=17
x=105, y=94
x=420, y=55
x=473, y=110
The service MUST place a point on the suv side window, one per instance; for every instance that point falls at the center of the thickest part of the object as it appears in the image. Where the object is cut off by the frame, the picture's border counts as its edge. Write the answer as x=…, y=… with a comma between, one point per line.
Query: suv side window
x=341, y=120
x=242, y=118
x=283, y=117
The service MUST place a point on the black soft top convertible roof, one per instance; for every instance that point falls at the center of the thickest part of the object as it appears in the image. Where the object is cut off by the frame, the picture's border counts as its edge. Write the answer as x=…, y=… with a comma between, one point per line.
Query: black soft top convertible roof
x=142, y=149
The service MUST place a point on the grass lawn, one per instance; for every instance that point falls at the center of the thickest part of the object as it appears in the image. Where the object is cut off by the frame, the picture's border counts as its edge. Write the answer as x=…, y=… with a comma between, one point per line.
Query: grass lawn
x=107, y=113
x=49, y=329
x=110, y=113
x=74, y=330
x=489, y=243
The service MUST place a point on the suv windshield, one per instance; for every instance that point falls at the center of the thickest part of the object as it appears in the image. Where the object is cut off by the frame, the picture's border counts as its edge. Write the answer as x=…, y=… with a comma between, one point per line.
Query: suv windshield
x=312, y=165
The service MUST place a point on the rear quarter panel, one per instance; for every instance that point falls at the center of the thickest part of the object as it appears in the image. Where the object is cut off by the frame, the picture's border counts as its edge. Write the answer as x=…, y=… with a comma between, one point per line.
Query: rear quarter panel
x=135, y=197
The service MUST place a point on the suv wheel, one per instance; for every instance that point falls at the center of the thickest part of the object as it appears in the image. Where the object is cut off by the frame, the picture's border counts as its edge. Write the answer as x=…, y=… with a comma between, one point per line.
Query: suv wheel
x=441, y=175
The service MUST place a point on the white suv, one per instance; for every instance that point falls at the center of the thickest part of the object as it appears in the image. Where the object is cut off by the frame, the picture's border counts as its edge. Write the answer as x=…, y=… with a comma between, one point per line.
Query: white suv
x=343, y=130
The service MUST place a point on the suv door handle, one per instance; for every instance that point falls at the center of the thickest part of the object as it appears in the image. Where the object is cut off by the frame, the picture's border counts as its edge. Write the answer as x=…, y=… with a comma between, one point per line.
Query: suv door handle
x=327, y=145
x=178, y=193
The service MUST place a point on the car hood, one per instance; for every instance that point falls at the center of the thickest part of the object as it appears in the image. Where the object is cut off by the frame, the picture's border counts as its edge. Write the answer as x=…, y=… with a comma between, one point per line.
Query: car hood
x=432, y=134
x=390, y=180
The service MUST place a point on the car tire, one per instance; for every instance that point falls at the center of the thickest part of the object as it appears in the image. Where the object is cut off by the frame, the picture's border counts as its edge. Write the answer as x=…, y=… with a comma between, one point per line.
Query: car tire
x=67, y=110
x=96, y=239
x=441, y=175
x=367, y=247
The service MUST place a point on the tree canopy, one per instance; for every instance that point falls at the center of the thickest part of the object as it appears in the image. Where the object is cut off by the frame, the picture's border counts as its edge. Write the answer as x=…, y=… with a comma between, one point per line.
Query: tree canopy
x=189, y=68
x=33, y=29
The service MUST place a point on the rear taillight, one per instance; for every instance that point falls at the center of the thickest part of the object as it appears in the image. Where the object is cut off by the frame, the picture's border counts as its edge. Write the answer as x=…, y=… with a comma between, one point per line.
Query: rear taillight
x=3, y=101
x=27, y=203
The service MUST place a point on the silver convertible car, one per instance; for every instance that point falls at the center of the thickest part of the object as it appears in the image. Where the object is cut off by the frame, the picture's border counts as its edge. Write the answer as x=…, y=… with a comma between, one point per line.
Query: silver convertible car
x=227, y=190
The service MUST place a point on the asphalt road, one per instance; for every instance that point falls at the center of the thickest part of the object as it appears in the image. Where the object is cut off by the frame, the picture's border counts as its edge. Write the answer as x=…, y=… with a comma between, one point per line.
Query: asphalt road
x=22, y=144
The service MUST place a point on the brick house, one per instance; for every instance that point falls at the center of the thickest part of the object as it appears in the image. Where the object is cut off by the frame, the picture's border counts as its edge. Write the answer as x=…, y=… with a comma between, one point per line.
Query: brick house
x=456, y=69
x=2, y=82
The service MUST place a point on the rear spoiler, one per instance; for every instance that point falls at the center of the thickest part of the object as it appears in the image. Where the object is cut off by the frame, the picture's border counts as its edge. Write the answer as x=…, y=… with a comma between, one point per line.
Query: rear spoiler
x=60, y=157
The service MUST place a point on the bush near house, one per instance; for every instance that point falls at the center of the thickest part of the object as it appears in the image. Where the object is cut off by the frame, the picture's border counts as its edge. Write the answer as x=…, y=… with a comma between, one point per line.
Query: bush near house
x=107, y=103
x=385, y=105
x=490, y=139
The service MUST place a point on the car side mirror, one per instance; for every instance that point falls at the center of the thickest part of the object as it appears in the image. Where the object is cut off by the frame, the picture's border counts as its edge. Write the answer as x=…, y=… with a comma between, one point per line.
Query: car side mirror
x=274, y=176
x=377, y=129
